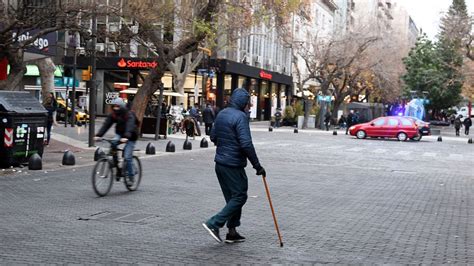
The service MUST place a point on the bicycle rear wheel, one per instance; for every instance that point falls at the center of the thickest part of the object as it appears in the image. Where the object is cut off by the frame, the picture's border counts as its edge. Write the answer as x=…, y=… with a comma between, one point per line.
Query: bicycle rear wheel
x=137, y=169
x=102, y=177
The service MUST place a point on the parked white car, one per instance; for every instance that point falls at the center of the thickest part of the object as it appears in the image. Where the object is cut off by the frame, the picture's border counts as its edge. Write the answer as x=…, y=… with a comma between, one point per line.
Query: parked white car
x=464, y=111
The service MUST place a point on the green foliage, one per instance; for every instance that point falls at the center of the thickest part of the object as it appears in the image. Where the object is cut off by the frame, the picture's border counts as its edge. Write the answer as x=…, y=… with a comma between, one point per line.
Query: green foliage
x=299, y=109
x=430, y=68
x=290, y=113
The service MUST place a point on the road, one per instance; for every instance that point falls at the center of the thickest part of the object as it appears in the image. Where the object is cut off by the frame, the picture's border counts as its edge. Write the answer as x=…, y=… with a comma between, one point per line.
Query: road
x=338, y=200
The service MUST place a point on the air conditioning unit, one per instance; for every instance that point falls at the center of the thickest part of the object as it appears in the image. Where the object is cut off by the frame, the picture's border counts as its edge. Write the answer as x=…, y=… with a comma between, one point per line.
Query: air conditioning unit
x=277, y=68
x=81, y=51
x=111, y=47
x=100, y=47
x=258, y=59
x=269, y=62
x=114, y=26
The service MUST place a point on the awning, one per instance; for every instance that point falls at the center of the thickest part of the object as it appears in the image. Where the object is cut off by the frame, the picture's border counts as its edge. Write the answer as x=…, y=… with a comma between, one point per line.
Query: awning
x=33, y=71
x=165, y=93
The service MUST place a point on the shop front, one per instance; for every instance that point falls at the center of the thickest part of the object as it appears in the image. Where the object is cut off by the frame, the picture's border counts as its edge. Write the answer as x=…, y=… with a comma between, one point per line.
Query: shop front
x=269, y=90
x=114, y=75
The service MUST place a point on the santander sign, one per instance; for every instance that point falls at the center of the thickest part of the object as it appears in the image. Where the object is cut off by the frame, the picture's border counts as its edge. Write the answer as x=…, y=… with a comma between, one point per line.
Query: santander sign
x=265, y=75
x=122, y=63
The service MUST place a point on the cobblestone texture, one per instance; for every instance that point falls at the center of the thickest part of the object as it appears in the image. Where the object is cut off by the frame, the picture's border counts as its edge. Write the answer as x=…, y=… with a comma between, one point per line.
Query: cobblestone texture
x=338, y=200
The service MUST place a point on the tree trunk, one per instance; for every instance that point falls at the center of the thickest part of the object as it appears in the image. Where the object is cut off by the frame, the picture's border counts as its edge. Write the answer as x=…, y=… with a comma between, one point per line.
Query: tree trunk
x=307, y=108
x=179, y=81
x=46, y=69
x=17, y=70
x=150, y=85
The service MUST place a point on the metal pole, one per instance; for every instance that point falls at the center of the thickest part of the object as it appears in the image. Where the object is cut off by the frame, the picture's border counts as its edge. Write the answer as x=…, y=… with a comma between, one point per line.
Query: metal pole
x=158, y=115
x=93, y=92
x=65, y=102
x=73, y=101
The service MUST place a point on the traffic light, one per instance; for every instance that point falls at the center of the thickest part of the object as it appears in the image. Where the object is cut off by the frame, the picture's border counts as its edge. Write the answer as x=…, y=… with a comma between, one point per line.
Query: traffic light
x=86, y=74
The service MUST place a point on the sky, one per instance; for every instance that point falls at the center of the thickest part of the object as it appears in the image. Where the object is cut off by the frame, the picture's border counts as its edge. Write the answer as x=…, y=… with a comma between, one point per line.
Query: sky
x=427, y=13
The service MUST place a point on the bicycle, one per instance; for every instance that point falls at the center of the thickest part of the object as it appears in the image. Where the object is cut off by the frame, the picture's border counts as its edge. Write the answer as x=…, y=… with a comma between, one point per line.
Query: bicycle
x=103, y=173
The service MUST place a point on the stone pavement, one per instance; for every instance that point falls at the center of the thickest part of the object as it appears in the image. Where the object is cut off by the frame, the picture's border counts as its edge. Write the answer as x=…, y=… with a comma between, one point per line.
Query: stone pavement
x=338, y=200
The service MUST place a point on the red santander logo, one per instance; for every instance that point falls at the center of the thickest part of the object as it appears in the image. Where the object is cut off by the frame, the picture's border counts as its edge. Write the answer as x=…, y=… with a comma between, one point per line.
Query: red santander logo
x=122, y=63
x=265, y=75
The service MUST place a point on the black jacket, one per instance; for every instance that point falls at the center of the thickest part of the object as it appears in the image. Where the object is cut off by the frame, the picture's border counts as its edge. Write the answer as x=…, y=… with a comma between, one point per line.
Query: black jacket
x=467, y=122
x=208, y=115
x=126, y=125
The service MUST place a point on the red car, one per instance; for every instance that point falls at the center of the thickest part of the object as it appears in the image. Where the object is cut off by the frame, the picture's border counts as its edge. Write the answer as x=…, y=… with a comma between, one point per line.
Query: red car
x=389, y=127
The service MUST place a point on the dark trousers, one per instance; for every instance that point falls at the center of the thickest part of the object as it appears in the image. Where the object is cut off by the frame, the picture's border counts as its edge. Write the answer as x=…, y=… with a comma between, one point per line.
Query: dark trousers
x=49, y=125
x=457, y=130
x=347, y=128
x=234, y=185
x=466, y=130
x=208, y=128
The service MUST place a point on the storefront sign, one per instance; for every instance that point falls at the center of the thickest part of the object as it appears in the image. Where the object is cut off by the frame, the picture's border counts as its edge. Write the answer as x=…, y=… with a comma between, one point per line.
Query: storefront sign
x=110, y=96
x=265, y=75
x=41, y=45
x=122, y=63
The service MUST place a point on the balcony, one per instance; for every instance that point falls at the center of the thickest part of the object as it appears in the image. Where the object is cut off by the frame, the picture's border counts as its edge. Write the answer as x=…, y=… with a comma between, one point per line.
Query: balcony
x=331, y=5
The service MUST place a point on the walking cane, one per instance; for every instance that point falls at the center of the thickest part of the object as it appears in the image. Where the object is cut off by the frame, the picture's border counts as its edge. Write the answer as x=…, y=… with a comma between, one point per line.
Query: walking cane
x=273, y=212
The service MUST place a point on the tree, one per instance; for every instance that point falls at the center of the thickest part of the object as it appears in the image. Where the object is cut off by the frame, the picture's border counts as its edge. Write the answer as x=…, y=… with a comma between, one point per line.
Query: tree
x=22, y=25
x=426, y=71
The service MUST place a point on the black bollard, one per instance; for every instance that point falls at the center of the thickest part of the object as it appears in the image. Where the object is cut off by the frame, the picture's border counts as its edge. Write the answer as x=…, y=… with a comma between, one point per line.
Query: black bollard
x=98, y=154
x=270, y=129
x=469, y=141
x=170, y=147
x=150, y=149
x=295, y=130
x=204, y=143
x=69, y=158
x=35, y=162
x=334, y=133
x=187, y=145
x=440, y=139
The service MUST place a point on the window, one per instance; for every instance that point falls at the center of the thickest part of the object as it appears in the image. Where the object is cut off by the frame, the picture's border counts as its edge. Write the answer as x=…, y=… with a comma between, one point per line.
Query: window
x=392, y=122
x=379, y=122
x=406, y=122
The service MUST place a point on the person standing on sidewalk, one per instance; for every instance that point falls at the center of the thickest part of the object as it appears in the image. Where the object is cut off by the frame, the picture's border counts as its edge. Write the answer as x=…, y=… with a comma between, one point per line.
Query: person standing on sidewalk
x=231, y=134
x=327, y=120
x=457, y=124
x=467, y=124
x=51, y=105
x=208, y=117
x=349, y=119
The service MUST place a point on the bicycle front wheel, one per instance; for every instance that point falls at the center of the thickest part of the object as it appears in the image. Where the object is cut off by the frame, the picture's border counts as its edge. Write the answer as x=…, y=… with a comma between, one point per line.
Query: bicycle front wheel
x=102, y=177
x=137, y=169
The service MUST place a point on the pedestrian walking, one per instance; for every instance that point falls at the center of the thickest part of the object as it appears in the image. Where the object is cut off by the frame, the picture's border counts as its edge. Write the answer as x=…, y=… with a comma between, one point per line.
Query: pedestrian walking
x=467, y=124
x=457, y=124
x=195, y=114
x=51, y=105
x=278, y=117
x=342, y=121
x=208, y=116
x=231, y=134
x=327, y=120
x=350, y=117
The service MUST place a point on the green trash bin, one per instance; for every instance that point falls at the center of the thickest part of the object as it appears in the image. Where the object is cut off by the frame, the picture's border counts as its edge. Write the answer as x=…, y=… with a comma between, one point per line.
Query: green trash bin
x=23, y=122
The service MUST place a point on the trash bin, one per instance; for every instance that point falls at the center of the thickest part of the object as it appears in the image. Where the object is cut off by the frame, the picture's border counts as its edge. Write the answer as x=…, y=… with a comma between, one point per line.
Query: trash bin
x=23, y=123
x=149, y=126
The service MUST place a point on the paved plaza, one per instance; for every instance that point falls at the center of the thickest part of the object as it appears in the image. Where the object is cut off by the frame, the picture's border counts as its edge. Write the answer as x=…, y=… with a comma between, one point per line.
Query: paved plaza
x=337, y=199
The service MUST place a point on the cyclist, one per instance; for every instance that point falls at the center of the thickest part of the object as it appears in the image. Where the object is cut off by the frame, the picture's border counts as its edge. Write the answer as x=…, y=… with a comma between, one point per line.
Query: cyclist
x=126, y=131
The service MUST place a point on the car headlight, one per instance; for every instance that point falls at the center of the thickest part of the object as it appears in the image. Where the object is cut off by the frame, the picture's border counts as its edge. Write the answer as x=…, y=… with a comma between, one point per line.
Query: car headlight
x=351, y=128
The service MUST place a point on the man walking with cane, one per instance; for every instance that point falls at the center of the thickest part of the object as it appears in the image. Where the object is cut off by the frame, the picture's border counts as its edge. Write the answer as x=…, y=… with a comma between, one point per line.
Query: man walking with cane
x=231, y=134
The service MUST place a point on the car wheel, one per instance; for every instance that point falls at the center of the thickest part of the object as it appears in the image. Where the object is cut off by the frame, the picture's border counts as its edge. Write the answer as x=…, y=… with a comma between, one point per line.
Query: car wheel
x=361, y=134
x=402, y=136
x=417, y=138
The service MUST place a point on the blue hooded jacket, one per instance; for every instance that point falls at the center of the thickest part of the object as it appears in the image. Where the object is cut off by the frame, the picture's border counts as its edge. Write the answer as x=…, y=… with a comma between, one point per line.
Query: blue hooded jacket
x=231, y=133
